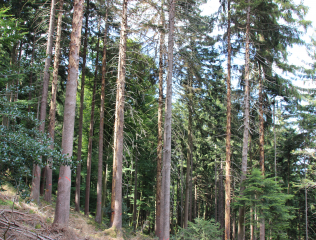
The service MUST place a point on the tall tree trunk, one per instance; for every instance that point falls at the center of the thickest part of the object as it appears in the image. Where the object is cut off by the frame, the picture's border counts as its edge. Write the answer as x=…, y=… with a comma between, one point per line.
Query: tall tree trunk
x=104, y=192
x=187, y=193
x=215, y=193
x=251, y=224
x=89, y=160
x=306, y=206
x=181, y=184
x=228, y=132
x=64, y=182
x=178, y=201
x=135, y=194
x=221, y=207
x=191, y=191
x=31, y=73
x=234, y=215
x=246, y=127
x=37, y=169
x=83, y=75
x=52, y=111
x=261, y=143
x=187, y=208
x=234, y=225
x=160, y=119
x=165, y=211
x=116, y=203
x=195, y=215
x=42, y=184
x=274, y=138
x=98, y=218
x=261, y=122
x=19, y=65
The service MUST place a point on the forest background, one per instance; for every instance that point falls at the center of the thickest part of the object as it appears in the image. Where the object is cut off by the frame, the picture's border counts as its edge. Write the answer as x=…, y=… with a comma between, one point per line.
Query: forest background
x=268, y=179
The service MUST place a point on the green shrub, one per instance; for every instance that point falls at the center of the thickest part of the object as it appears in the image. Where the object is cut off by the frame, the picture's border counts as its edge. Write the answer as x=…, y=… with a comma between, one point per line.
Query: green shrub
x=267, y=196
x=201, y=229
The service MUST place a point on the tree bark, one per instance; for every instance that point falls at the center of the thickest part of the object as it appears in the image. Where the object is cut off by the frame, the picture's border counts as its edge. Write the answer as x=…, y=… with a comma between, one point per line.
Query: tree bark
x=19, y=65
x=234, y=225
x=165, y=218
x=215, y=192
x=182, y=183
x=241, y=232
x=187, y=208
x=43, y=175
x=104, y=192
x=251, y=224
x=83, y=75
x=261, y=143
x=64, y=182
x=274, y=138
x=135, y=193
x=228, y=132
x=190, y=189
x=195, y=215
x=53, y=102
x=37, y=169
x=91, y=128
x=221, y=212
x=98, y=218
x=119, y=125
x=31, y=73
x=160, y=119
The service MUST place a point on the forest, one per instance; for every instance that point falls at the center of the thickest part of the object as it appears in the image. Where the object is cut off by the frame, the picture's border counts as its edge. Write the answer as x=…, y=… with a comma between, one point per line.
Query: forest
x=161, y=116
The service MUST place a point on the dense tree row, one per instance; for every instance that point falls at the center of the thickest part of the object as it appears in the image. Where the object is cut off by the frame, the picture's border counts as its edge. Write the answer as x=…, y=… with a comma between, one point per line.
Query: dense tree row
x=144, y=116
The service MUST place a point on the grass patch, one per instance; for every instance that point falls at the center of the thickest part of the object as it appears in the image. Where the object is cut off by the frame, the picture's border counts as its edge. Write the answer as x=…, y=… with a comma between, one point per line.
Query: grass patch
x=7, y=203
x=112, y=232
x=3, y=202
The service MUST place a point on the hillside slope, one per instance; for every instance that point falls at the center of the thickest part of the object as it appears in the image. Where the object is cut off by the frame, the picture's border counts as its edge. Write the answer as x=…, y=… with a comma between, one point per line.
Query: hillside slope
x=21, y=220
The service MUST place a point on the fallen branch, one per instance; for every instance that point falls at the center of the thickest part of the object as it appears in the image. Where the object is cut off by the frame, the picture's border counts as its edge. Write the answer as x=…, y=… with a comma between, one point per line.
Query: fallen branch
x=10, y=226
x=10, y=211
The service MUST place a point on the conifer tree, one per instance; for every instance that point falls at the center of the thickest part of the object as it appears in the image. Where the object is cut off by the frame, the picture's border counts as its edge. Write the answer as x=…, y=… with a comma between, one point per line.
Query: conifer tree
x=64, y=182
x=36, y=169
x=53, y=104
x=228, y=131
x=116, y=203
x=91, y=127
x=165, y=216
x=83, y=74
x=98, y=215
x=160, y=119
x=246, y=125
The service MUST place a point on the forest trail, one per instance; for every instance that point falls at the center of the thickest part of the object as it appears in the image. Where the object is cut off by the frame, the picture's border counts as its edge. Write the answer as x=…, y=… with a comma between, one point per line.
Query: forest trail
x=21, y=220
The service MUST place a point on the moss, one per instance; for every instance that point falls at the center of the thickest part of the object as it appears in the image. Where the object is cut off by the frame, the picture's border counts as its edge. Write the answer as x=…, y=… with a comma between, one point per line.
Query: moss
x=10, y=203
x=38, y=226
x=3, y=202
x=112, y=232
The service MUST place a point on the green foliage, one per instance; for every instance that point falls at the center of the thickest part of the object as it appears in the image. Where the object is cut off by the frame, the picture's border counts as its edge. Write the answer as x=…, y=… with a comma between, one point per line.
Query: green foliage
x=22, y=144
x=201, y=229
x=265, y=194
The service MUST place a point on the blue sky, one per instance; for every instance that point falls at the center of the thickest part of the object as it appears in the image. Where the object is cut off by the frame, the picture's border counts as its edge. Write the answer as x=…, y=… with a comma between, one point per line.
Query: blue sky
x=298, y=54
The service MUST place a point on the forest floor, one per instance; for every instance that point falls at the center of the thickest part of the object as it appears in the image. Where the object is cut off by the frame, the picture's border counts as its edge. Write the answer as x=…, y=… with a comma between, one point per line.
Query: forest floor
x=20, y=220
